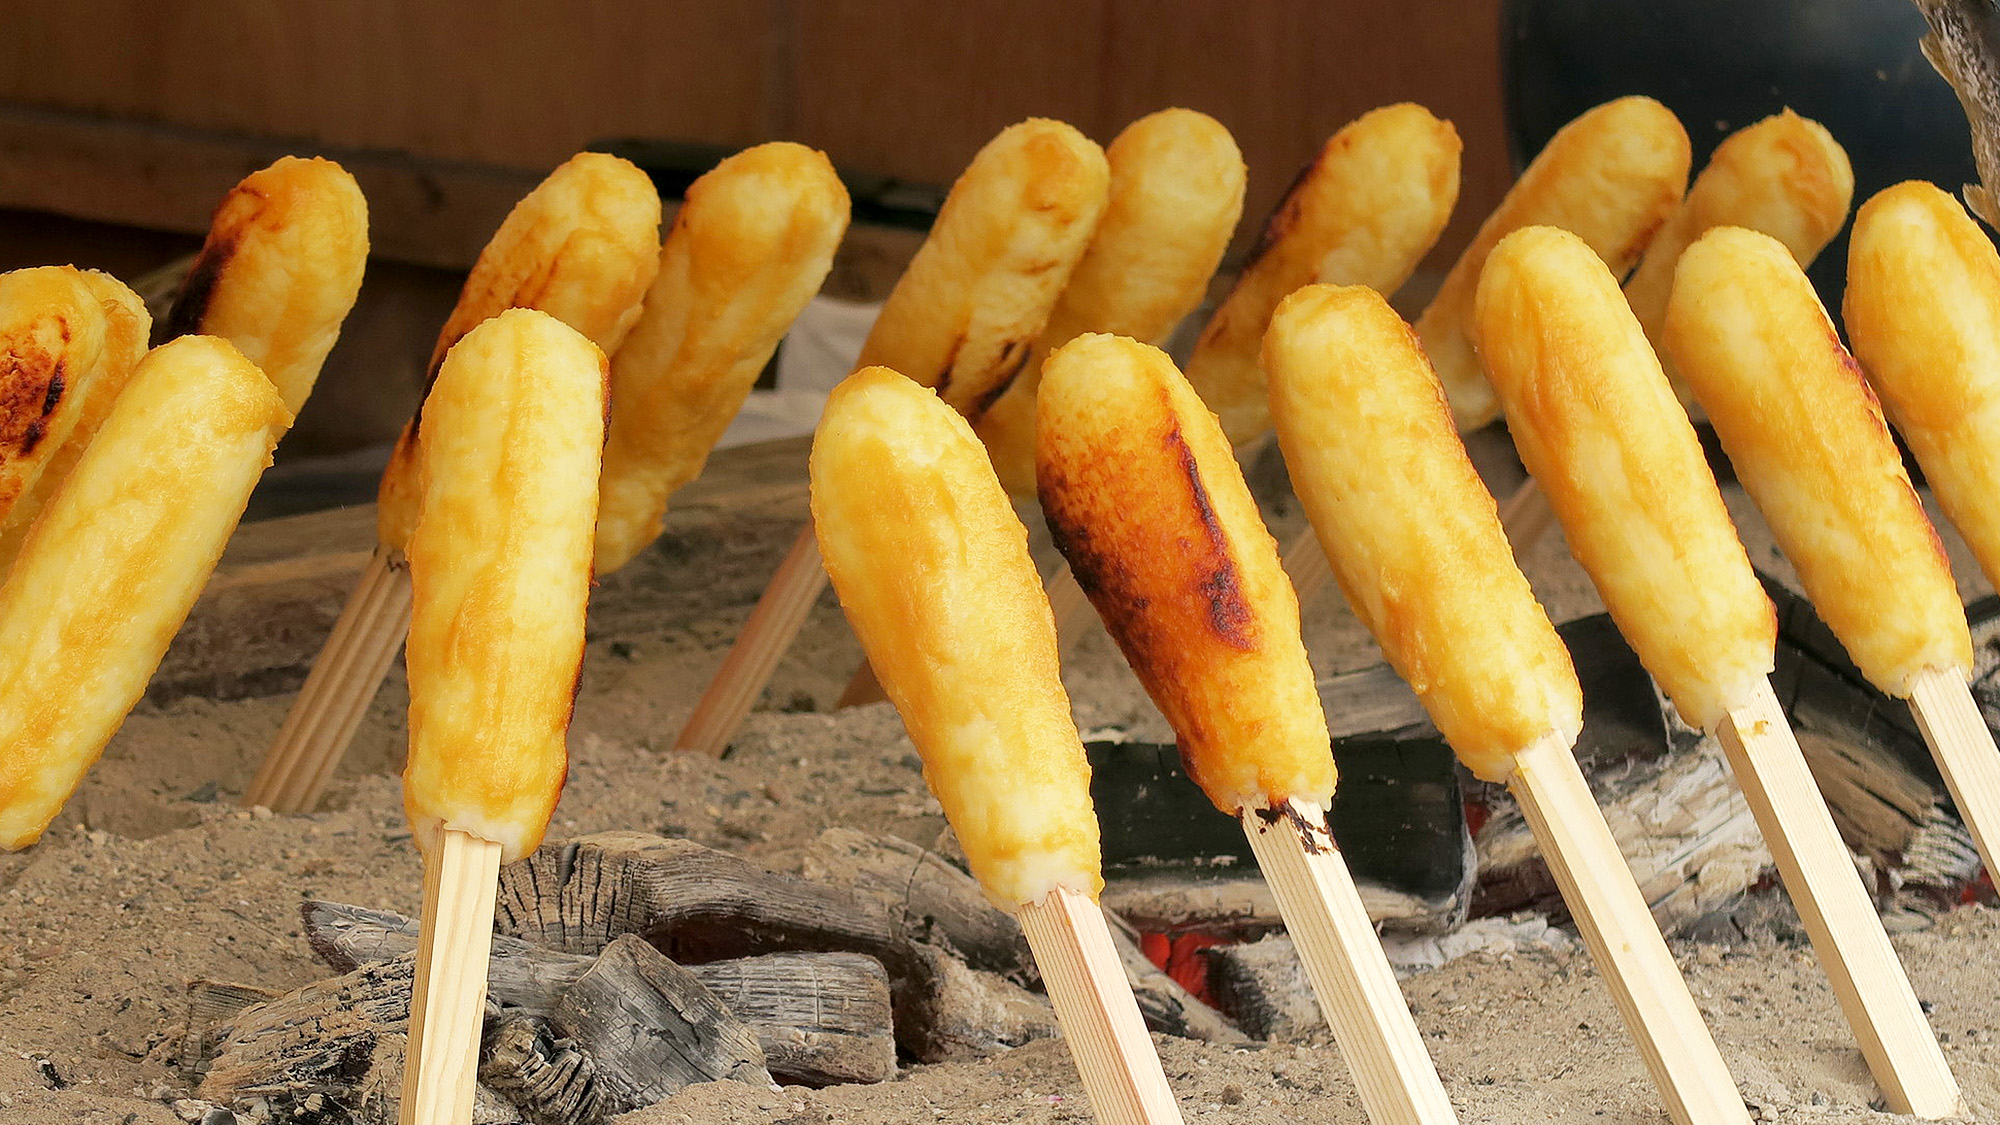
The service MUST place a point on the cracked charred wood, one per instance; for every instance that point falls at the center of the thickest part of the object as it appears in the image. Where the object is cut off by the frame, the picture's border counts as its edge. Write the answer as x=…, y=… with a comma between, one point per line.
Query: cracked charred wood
x=690, y=902
x=551, y=1081
x=929, y=898
x=212, y=1004
x=1262, y=985
x=821, y=1018
x=952, y=1011
x=649, y=1028
x=331, y=1051
x=627, y=1032
x=936, y=900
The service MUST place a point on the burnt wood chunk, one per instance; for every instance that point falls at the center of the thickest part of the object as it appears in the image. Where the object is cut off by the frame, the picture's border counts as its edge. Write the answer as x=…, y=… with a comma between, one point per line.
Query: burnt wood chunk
x=649, y=1028
x=934, y=901
x=212, y=1005
x=551, y=1081
x=1262, y=985
x=690, y=902
x=820, y=1018
x=929, y=898
x=954, y=1011
x=626, y=1033
x=331, y=1051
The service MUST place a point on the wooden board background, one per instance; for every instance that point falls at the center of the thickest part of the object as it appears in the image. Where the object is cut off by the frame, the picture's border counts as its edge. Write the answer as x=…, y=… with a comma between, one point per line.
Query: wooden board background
x=138, y=112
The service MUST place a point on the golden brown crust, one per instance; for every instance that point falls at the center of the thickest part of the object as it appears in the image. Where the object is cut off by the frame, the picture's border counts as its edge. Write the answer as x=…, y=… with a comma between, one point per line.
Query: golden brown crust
x=1785, y=176
x=111, y=569
x=1612, y=177
x=1176, y=192
x=1809, y=444
x=747, y=250
x=500, y=572
x=1145, y=500
x=582, y=247
x=1413, y=536
x=279, y=270
x=1923, y=310
x=1597, y=425
x=969, y=307
x=1364, y=212
x=933, y=570
x=69, y=340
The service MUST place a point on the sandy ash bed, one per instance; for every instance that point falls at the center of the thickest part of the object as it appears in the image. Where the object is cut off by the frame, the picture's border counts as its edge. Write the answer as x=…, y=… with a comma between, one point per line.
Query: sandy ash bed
x=153, y=878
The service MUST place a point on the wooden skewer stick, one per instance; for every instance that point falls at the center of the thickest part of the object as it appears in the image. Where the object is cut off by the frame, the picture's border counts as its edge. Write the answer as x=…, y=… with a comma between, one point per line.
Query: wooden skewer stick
x=441, y=1069
x=1963, y=746
x=1624, y=941
x=1344, y=961
x=775, y=622
x=337, y=692
x=1846, y=933
x=1100, y=1019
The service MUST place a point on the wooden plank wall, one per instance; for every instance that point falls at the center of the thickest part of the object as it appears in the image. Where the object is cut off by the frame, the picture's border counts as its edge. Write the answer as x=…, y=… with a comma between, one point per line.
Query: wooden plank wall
x=142, y=112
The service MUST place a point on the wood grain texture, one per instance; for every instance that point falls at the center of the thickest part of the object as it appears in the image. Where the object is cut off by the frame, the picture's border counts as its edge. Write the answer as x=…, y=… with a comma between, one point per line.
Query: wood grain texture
x=498, y=87
x=1121, y=1071
x=448, y=1005
x=1350, y=974
x=1963, y=746
x=819, y=1017
x=1623, y=939
x=1852, y=947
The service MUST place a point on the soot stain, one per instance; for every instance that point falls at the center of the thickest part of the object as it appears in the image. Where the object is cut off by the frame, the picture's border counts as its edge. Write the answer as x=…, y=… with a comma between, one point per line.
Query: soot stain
x=1229, y=615
x=1013, y=358
x=191, y=307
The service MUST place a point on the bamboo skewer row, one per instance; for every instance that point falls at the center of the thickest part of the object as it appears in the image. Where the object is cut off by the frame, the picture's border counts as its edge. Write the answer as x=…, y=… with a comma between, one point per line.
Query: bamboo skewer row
x=1144, y=497
x=1624, y=472
x=1423, y=557
x=932, y=568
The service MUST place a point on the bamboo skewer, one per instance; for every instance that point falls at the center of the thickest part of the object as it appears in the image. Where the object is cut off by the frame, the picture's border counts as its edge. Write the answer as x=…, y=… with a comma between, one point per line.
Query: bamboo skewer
x=1966, y=755
x=1343, y=958
x=1846, y=934
x=1624, y=941
x=447, y=1010
x=338, y=690
x=773, y=623
x=1100, y=1019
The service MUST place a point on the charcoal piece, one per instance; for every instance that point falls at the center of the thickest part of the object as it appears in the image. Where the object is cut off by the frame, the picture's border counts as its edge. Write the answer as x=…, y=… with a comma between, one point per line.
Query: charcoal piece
x=821, y=1018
